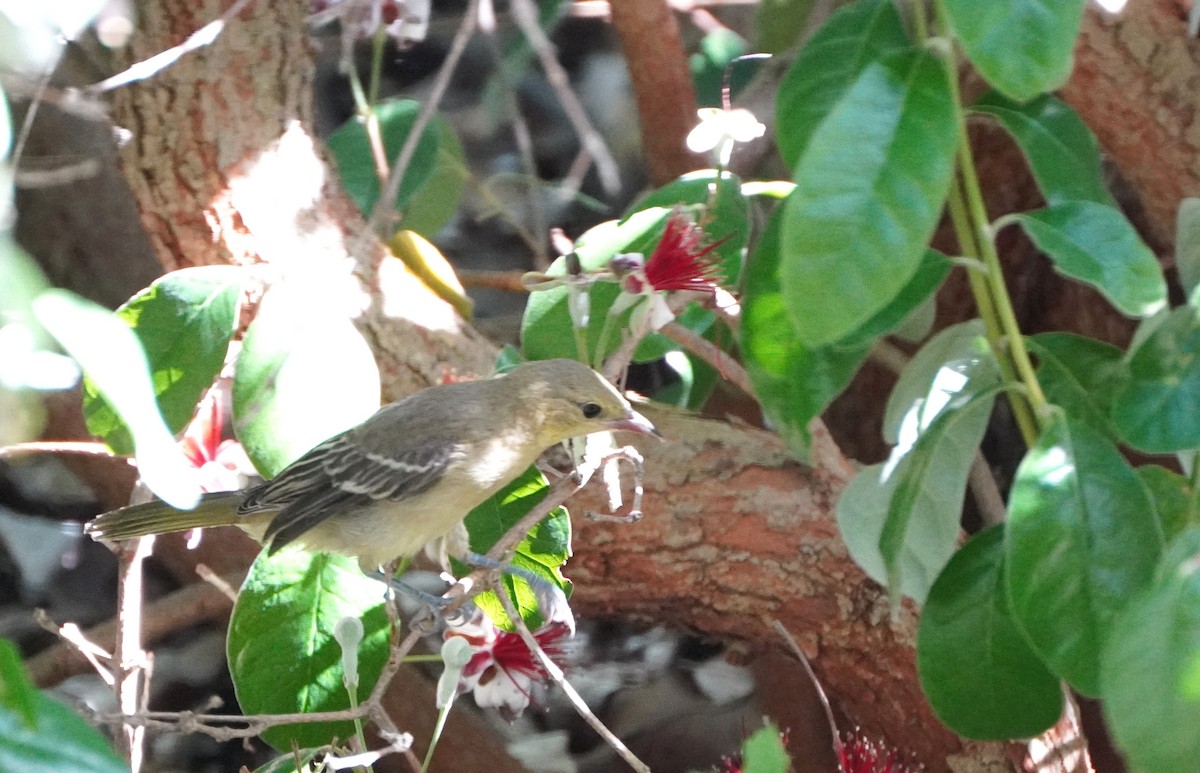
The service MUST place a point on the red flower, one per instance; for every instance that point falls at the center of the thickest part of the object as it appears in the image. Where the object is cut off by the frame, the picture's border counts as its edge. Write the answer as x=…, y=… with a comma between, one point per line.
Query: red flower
x=680, y=261
x=859, y=754
x=223, y=464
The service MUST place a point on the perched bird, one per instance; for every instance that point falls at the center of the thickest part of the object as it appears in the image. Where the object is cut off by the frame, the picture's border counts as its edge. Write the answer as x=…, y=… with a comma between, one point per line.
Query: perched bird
x=409, y=474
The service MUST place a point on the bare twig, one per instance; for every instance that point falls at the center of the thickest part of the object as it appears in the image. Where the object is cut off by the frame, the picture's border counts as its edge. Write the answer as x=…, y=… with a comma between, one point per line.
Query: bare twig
x=131, y=664
x=56, y=447
x=556, y=674
x=729, y=368
x=507, y=281
x=381, y=217
x=184, y=607
x=816, y=683
x=525, y=14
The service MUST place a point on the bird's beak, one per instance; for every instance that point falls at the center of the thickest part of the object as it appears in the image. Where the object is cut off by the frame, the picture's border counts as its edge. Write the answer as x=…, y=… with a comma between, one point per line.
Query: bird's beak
x=636, y=422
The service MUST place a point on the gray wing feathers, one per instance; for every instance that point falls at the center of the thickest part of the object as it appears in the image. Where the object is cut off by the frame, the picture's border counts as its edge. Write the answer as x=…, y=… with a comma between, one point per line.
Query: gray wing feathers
x=340, y=476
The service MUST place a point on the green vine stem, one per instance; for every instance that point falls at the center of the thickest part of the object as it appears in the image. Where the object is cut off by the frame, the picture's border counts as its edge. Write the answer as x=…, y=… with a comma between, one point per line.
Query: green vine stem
x=976, y=239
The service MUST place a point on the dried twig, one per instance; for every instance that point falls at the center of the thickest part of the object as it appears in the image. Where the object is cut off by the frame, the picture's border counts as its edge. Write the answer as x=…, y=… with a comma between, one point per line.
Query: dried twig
x=526, y=15
x=381, y=217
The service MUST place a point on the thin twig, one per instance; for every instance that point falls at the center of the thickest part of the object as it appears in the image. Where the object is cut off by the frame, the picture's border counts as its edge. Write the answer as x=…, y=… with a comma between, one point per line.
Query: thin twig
x=729, y=368
x=382, y=215
x=56, y=447
x=525, y=13
x=816, y=683
x=130, y=661
x=160, y=61
x=506, y=281
x=558, y=677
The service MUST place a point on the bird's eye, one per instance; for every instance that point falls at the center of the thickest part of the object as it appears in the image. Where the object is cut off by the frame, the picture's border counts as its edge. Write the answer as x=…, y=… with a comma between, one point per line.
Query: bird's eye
x=590, y=410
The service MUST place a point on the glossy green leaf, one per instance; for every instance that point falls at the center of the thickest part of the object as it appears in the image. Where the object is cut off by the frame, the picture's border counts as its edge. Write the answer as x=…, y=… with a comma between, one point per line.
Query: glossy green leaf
x=1187, y=247
x=869, y=192
x=38, y=734
x=436, y=201
x=960, y=348
x=304, y=375
x=1022, y=47
x=356, y=164
x=543, y=551
x=1155, y=407
x=1080, y=375
x=282, y=654
x=900, y=520
x=930, y=274
x=184, y=321
x=1176, y=500
x=921, y=530
x=1095, y=244
x=1151, y=675
x=793, y=382
x=980, y=675
x=1082, y=538
x=1062, y=151
x=113, y=358
x=853, y=37
x=764, y=752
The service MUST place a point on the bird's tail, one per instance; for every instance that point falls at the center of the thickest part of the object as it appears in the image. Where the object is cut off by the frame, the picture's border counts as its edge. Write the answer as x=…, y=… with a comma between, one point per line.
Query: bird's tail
x=216, y=509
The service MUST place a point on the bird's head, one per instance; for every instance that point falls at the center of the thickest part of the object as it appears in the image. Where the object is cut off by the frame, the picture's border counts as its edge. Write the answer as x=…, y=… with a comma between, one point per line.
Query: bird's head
x=570, y=399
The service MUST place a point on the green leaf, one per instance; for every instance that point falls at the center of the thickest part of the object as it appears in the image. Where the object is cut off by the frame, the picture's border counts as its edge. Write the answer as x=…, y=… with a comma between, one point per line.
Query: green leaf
x=1080, y=375
x=931, y=272
x=1187, y=246
x=282, y=654
x=869, y=192
x=921, y=530
x=18, y=696
x=981, y=677
x=112, y=357
x=1155, y=408
x=900, y=520
x=763, y=752
x=356, y=164
x=1175, y=499
x=793, y=382
x=304, y=374
x=961, y=349
x=543, y=551
x=779, y=24
x=854, y=36
x=432, y=206
x=1062, y=151
x=39, y=734
x=1095, y=244
x=1151, y=673
x=1082, y=538
x=1022, y=47
x=184, y=321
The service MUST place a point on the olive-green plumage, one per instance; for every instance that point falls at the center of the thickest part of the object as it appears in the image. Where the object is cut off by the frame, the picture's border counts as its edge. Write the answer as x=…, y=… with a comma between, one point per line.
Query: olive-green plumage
x=409, y=474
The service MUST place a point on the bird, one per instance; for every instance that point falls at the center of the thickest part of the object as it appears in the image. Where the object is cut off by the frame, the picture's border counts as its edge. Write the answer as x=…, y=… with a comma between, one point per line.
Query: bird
x=407, y=476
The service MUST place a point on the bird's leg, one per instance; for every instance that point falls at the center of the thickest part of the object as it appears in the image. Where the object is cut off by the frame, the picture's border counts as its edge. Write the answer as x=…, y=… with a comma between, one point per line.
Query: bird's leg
x=436, y=604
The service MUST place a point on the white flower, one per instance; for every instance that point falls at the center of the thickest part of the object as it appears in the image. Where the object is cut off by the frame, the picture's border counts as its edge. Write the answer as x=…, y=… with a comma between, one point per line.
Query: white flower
x=719, y=129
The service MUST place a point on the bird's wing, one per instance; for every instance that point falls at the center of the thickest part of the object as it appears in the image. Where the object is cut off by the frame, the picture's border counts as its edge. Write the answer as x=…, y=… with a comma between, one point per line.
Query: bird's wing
x=340, y=476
